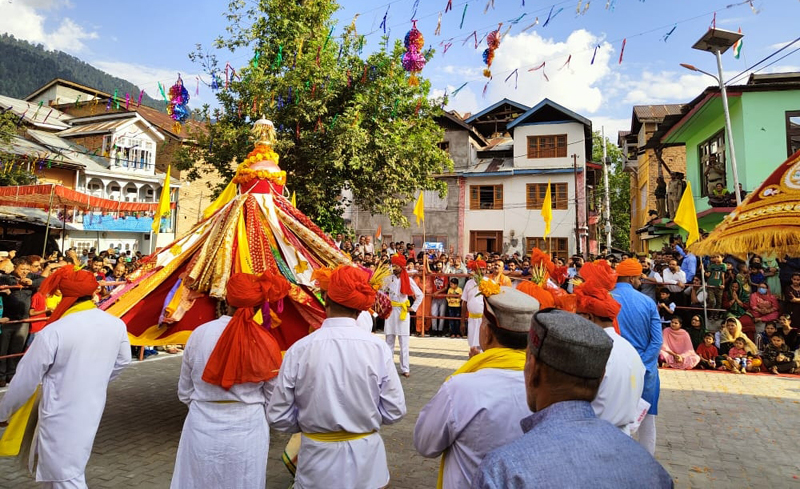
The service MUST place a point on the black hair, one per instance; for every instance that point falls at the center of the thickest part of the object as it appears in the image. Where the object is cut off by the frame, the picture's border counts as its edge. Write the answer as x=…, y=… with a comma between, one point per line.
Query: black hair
x=453, y=280
x=708, y=334
x=509, y=339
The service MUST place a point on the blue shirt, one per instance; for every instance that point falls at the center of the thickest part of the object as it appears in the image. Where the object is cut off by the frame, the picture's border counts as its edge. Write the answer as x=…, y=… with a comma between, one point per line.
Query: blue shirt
x=566, y=446
x=640, y=324
x=688, y=265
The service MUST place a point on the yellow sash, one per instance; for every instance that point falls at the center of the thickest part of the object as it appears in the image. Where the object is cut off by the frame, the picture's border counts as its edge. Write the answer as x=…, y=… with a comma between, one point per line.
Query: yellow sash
x=337, y=436
x=476, y=315
x=503, y=358
x=79, y=307
x=11, y=442
x=403, y=309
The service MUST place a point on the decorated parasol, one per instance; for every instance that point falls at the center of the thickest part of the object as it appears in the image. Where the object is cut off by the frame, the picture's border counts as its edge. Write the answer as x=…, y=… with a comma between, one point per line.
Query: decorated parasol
x=252, y=228
x=767, y=222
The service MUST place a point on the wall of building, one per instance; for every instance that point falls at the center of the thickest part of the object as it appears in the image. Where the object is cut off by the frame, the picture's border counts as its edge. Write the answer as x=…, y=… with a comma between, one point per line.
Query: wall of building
x=60, y=94
x=575, y=144
x=103, y=240
x=60, y=176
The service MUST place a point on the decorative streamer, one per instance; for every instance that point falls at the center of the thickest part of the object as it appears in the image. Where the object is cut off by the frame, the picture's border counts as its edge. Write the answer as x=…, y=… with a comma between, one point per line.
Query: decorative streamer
x=127, y=101
x=444, y=98
x=506, y=32
x=78, y=100
x=116, y=100
x=578, y=8
x=516, y=77
x=413, y=60
x=327, y=39
x=419, y=106
x=438, y=30
x=714, y=21
x=255, y=59
x=535, y=23
x=566, y=65
x=275, y=64
x=139, y=103
x=463, y=14
x=595, y=53
x=163, y=94
x=484, y=88
x=197, y=89
x=414, y=9
x=586, y=7
x=475, y=35
x=227, y=78
x=666, y=36
x=516, y=21
x=752, y=7
x=493, y=42
x=48, y=115
x=455, y=92
x=214, y=84
x=333, y=122
x=108, y=105
x=622, y=50
x=41, y=102
x=446, y=47
x=449, y=6
x=383, y=22
x=552, y=15
x=541, y=67
x=490, y=3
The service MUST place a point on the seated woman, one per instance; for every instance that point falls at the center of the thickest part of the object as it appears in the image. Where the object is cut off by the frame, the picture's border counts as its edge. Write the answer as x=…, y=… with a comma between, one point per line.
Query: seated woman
x=677, y=350
x=763, y=306
x=731, y=330
x=733, y=301
x=696, y=330
x=764, y=338
x=777, y=356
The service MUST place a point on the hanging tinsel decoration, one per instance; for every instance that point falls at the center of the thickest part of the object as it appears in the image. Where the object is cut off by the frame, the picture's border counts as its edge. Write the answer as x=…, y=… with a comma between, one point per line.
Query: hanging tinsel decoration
x=178, y=98
x=413, y=59
x=493, y=41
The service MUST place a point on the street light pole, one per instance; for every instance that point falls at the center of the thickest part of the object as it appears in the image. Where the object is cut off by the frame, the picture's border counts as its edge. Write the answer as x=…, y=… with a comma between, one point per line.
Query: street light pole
x=724, y=94
x=607, y=191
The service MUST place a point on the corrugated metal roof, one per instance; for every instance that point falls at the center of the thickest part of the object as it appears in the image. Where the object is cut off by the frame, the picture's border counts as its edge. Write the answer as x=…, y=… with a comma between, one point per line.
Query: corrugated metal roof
x=492, y=165
x=69, y=150
x=34, y=115
x=499, y=144
x=101, y=127
x=656, y=113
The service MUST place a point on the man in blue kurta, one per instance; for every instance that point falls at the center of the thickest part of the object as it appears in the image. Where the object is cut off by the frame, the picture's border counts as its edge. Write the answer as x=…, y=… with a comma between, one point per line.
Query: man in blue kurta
x=640, y=325
x=565, y=444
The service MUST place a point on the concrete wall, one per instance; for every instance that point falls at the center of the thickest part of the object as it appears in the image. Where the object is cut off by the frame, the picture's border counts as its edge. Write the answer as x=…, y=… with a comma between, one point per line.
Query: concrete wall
x=764, y=148
x=575, y=144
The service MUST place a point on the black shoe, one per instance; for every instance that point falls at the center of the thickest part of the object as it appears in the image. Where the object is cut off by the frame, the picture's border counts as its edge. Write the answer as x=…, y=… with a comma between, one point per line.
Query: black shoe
x=3, y=383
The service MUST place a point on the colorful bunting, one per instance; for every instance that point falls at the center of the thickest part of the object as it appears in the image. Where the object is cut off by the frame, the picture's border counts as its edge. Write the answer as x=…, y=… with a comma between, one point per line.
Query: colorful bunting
x=666, y=36
x=463, y=14
x=622, y=50
x=516, y=77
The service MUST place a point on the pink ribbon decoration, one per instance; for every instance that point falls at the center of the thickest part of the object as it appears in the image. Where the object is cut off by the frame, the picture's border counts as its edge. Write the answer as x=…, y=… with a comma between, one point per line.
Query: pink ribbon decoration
x=541, y=67
x=197, y=90
x=516, y=77
x=622, y=50
x=141, y=94
x=565, y=65
x=127, y=101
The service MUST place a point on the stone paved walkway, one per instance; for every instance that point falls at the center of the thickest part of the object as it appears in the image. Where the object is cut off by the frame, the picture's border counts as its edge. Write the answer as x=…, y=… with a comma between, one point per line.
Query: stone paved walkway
x=715, y=430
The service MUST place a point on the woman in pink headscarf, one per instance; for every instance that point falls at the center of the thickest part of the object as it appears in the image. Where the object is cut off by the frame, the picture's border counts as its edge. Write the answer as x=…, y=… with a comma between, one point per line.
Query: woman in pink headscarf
x=677, y=350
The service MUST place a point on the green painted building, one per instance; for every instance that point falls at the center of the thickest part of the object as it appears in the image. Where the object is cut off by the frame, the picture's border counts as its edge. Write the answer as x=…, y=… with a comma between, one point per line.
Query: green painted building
x=765, y=119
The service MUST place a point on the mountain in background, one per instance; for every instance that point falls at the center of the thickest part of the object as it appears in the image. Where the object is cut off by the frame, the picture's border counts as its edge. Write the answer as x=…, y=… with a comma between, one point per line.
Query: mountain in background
x=24, y=67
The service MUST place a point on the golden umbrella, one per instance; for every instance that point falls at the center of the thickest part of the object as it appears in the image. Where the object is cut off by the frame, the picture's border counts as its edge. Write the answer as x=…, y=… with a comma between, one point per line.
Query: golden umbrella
x=767, y=222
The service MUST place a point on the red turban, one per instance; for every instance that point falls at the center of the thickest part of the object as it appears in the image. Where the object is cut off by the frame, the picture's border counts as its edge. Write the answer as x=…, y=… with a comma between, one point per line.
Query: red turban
x=72, y=284
x=594, y=294
x=628, y=268
x=349, y=286
x=472, y=264
x=405, y=282
x=544, y=296
x=246, y=351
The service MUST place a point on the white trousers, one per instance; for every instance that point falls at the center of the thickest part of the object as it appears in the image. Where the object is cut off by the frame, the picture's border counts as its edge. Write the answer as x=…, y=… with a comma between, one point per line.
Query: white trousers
x=647, y=434
x=74, y=483
x=473, y=332
x=403, y=349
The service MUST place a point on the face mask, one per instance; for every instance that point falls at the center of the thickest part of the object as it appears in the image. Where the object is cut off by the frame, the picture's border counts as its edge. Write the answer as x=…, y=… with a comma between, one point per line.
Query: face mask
x=762, y=290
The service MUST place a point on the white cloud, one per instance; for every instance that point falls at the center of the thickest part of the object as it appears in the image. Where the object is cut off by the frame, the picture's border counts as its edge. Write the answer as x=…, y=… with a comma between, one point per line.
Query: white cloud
x=663, y=87
x=26, y=19
x=611, y=126
x=147, y=78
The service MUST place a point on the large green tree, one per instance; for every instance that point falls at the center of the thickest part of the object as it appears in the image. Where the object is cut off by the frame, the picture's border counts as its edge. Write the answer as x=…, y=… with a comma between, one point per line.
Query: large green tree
x=13, y=171
x=345, y=119
x=619, y=184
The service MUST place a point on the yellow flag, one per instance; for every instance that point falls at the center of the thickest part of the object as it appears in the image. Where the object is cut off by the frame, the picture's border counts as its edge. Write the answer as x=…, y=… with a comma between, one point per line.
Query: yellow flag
x=163, y=203
x=294, y=199
x=419, y=208
x=686, y=216
x=226, y=196
x=547, y=210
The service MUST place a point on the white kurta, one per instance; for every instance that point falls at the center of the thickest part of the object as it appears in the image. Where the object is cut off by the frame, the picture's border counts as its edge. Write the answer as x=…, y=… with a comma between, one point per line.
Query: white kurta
x=364, y=321
x=73, y=359
x=471, y=415
x=338, y=378
x=394, y=325
x=621, y=389
x=474, y=302
x=223, y=444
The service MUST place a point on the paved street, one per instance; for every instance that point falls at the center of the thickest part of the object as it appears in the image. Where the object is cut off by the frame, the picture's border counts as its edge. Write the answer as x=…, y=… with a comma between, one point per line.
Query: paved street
x=715, y=430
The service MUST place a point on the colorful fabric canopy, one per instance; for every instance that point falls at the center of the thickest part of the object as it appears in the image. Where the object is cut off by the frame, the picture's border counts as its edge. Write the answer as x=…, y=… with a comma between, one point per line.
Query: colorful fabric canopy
x=58, y=196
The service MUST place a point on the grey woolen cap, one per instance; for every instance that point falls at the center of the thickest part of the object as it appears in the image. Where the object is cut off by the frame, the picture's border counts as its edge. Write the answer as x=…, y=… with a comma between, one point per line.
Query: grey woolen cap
x=513, y=309
x=569, y=343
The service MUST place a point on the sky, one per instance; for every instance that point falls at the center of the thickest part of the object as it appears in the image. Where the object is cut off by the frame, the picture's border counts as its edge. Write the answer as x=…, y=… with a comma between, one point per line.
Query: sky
x=147, y=42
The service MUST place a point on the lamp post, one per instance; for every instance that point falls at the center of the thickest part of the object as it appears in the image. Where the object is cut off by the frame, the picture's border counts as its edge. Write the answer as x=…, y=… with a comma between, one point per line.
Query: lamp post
x=718, y=41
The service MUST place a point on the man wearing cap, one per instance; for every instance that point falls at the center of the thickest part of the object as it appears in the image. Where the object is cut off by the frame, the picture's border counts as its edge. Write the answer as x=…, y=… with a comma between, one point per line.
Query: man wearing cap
x=399, y=287
x=618, y=399
x=565, y=444
x=73, y=359
x=478, y=408
x=225, y=439
x=640, y=324
x=472, y=303
x=337, y=386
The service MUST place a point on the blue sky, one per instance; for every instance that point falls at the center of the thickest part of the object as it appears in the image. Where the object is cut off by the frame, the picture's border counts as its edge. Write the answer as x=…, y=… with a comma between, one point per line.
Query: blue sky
x=148, y=41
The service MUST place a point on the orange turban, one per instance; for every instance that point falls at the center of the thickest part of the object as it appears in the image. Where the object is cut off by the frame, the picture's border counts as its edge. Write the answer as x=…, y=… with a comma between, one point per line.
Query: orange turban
x=349, y=286
x=246, y=351
x=594, y=295
x=628, y=268
x=544, y=296
x=405, y=282
x=475, y=264
x=323, y=277
x=72, y=284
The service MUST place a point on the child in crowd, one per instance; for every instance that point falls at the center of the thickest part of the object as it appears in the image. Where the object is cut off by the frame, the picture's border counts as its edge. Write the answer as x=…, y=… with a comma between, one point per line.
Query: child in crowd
x=676, y=349
x=757, y=276
x=708, y=353
x=666, y=308
x=763, y=339
x=716, y=282
x=736, y=359
x=777, y=356
x=454, y=308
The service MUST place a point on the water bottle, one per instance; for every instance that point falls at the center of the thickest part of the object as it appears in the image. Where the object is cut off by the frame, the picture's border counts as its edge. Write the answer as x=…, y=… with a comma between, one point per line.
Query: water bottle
x=744, y=363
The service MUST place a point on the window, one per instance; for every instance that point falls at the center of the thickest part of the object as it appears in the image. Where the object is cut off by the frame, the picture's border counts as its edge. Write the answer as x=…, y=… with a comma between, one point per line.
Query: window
x=485, y=197
x=792, y=131
x=559, y=246
x=444, y=146
x=537, y=191
x=712, y=161
x=547, y=146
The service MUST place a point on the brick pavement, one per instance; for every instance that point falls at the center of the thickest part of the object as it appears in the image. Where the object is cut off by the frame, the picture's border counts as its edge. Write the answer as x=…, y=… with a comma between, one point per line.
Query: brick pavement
x=715, y=430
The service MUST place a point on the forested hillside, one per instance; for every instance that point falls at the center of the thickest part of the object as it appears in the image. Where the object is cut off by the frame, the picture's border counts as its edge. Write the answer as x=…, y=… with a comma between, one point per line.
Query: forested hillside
x=24, y=67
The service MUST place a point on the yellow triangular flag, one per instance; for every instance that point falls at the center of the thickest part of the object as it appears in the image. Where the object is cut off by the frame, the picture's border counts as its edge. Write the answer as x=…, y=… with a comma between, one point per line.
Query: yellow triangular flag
x=294, y=199
x=226, y=196
x=419, y=208
x=547, y=210
x=686, y=216
x=163, y=203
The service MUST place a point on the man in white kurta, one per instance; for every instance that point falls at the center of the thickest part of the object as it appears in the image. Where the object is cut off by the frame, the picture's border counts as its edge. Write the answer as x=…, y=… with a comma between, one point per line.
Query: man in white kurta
x=364, y=321
x=73, y=358
x=479, y=408
x=337, y=386
x=473, y=302
x=399, y=287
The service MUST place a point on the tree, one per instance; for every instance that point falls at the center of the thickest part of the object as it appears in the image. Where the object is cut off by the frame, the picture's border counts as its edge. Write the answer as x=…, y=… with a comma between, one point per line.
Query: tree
x=343, y=121
x=13, y=171
x=619, y=193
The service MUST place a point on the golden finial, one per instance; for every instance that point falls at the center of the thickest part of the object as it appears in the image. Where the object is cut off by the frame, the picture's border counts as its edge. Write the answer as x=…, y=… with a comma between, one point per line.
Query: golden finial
x=263, y=133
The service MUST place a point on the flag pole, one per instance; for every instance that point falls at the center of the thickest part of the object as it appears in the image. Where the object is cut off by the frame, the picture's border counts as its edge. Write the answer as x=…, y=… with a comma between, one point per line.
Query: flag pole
x=424, y=269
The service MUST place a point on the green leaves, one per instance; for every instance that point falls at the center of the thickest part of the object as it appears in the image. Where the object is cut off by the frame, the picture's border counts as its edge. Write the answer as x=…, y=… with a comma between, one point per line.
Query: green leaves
x=619, y=192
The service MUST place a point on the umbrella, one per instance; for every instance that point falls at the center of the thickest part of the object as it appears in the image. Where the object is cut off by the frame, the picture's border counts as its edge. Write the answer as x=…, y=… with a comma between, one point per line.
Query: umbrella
x=767, y=222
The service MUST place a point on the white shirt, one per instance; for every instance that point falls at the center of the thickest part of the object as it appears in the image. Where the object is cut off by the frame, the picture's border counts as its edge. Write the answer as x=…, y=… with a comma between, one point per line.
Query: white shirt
x=471, y=415
x=74, y=359
x=338, y=378
x=364, y=321
x=673, y=278
x=618, y=397
x=473, y=299
x=369, y=248
x=394, y=325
